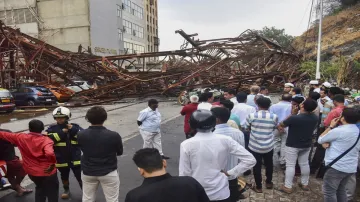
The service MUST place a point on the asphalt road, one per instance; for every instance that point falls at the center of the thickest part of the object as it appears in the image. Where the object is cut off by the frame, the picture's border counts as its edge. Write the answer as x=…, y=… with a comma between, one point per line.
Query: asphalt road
x=172, y=136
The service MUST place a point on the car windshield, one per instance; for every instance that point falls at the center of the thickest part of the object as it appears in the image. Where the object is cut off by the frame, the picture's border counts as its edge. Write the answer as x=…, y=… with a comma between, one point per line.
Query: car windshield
x=5, y=94
x=42, y=89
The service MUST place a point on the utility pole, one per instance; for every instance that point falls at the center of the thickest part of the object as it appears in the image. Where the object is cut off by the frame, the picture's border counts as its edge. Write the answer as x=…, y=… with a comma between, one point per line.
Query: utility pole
x=319, y=42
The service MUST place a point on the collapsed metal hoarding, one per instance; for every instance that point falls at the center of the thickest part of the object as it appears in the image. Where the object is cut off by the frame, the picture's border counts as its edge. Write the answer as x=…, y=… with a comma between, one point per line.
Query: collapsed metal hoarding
x=227, y=62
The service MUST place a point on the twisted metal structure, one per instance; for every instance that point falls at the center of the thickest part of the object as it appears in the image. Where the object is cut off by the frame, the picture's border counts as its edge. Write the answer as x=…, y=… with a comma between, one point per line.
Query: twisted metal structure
x=227, y=62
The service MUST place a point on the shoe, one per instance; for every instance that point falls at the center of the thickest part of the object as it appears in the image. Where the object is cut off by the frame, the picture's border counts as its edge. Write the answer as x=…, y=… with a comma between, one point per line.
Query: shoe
x=66, y=194
x=241, y=197
x=285, y=190
x=165, y=157
x=269, y=185
x=304, y=187
x=257, y=190
x=248, y=172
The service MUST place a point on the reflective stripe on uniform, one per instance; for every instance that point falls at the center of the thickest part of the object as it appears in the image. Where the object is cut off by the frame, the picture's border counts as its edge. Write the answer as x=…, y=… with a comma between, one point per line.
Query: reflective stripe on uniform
x=76, y=163
x=56, y=136
x=75, y=136
x=61, y=165
x=74, y=142
x=60, y=144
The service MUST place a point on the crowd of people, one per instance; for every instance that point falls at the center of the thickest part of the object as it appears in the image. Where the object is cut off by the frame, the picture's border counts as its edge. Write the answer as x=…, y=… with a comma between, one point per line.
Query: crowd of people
x=285, y=133
x=226, y=139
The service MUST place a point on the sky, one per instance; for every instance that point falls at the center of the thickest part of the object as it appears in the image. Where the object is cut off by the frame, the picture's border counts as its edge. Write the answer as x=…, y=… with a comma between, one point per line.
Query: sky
x=228, y=18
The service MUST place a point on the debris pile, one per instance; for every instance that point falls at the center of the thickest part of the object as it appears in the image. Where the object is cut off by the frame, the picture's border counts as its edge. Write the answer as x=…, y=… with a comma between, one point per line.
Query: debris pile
x=227, y=62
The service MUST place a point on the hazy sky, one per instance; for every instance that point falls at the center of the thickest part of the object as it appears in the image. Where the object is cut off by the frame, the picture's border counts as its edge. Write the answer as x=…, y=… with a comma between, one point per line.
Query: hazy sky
x=228, y=18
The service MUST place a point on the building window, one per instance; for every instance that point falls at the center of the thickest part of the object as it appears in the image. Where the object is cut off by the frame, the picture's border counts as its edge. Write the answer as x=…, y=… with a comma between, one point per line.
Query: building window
x=148, y=48
x=127, y=5
x=157, y=32
x=127, y=26
x=139, y=48
x=138, y=31
x=147, y=8
x=120, y=35
x=118, y=10
x=149, y=38
x=148, y=18
x=137, y=11
x=153, y=21
x=17, y=16
x=150, y=29
x=128, y=47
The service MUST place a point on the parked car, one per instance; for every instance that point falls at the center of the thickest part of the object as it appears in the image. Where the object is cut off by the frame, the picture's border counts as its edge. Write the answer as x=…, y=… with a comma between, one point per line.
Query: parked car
x=7, y=103
x=80, y=86
x=34, y=95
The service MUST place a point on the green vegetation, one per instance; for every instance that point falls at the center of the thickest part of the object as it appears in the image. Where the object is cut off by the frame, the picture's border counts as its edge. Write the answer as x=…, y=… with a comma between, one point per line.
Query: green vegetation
x=277, y=35
x=328, y=70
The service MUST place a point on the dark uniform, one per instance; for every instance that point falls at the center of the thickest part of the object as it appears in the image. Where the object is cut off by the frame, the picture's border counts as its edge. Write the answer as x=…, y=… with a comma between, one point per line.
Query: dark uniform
x=67, y=151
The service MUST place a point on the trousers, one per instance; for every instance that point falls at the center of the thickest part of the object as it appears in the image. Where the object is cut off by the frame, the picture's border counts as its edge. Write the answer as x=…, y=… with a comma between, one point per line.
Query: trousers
x=110, y=184
x=47, y=187
x=334, y=185
x=280, y=146
x=65, y=172
x=15, y=172
x=351, y=188
x=300, y=155
x=268, y=160
x=234, y=190
x=152, y=140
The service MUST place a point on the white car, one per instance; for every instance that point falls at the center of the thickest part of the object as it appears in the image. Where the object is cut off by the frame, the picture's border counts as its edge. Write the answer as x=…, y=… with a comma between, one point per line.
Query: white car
x=81, y=85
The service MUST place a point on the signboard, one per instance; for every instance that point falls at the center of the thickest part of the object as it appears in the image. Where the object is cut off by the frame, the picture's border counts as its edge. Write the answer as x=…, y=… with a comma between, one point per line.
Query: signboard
x=105, y=50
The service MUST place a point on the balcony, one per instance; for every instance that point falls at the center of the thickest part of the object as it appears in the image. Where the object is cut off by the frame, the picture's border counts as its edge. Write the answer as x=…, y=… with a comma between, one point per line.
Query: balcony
x=156, y=41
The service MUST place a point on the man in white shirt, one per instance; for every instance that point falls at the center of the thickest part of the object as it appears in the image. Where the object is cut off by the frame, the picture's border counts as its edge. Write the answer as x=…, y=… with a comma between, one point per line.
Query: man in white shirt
x=205, y=156
x=230, y=94
x=205, y=101
x=283, y=111
x=222, y=115
x=149, y=122
x=242, y=110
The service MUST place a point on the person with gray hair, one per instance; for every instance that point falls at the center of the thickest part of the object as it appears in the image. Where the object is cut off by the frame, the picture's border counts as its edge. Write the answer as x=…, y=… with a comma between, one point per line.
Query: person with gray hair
x=186, y=111
x=254, y=90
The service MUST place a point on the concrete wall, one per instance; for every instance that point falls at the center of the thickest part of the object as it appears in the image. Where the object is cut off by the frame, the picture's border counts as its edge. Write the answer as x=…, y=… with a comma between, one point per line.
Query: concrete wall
x=66, y=23
x=141, y=22
x=29, y=28
x=104, y=27
x=15, y=4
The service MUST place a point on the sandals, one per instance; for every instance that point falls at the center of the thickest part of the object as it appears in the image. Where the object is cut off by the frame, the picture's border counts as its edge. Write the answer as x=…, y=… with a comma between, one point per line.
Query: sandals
x=25, y=192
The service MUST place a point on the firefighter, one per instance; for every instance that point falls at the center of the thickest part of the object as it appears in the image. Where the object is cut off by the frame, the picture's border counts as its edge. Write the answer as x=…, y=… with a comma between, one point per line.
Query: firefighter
x=67, y=150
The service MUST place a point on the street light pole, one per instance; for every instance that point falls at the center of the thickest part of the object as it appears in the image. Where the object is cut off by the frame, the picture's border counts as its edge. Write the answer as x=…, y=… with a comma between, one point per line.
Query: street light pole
x=319, y=42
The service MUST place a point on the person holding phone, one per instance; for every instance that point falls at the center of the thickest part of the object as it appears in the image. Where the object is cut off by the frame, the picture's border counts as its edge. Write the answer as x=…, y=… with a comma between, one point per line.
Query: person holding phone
x=339, y=106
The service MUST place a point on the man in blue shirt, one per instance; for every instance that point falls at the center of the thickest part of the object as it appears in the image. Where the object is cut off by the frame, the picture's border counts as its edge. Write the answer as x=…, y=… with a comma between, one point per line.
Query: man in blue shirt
x=337, y=141
x=222, y=128
x=283, y=111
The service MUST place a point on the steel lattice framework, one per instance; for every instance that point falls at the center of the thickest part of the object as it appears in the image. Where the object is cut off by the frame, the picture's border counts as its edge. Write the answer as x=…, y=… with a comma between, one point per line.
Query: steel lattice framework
x=227, y=62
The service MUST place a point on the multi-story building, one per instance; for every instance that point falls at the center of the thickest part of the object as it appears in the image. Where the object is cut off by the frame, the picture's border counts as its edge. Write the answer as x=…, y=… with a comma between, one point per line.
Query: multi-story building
x=152, y=25
x=66, y=24
x=133, y=26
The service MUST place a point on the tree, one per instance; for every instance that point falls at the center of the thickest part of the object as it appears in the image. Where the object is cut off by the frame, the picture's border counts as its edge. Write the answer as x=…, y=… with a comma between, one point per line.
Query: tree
x=277, y=35
x=328, y=70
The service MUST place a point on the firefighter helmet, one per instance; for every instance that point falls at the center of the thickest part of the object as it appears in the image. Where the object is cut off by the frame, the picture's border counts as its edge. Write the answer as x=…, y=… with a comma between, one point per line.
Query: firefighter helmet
x=62, y=112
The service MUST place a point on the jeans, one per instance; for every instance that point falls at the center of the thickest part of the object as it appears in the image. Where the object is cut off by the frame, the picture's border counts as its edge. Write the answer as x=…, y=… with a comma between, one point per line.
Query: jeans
x=65, y=172
x=292, y=156
x=247, y=138
x=280, y=145
x=268, y=160
x=152, y=140
x=110, y=184
x=234, y=190
x=334, y=185
x=47, y=187
x=351, y=187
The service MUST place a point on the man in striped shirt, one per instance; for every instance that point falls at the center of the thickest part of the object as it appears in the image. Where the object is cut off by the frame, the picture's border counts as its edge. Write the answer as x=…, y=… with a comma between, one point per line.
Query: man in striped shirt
x=262, y=125
x=222, y=128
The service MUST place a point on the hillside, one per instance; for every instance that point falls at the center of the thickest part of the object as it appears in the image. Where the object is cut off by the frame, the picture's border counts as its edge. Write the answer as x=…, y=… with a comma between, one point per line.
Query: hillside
x=341, y=36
